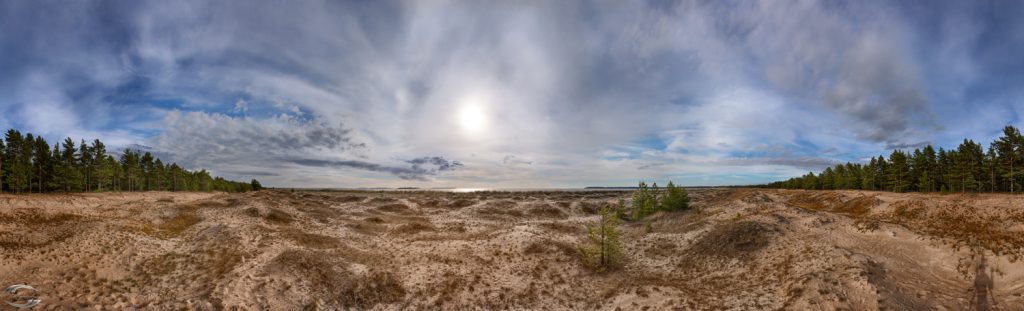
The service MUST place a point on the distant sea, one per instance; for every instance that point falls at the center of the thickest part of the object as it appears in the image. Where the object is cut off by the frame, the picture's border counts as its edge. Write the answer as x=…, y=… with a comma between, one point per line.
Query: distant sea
x=489, y=189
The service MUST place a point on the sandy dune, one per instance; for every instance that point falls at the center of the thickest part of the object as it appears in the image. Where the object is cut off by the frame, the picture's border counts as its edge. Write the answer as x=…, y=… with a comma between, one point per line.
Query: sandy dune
x=741, y=249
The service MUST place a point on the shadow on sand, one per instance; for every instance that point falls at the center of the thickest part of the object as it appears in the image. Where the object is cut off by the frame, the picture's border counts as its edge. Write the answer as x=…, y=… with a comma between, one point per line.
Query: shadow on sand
x=982, y=298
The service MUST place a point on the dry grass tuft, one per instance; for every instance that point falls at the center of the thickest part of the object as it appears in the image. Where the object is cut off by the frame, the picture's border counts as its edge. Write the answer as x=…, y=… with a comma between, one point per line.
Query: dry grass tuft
x=210, y=204
x=172, y=227
x=590, y=208
x=834, y=202
x=349, y=199
x=459, y=203
x=35, y=216
x=734, y=240
x=561, y=227
x=382, y=200
x=321, y=212
x=395, y=208
x=312, y=240
x=500, y=208
x=545, y=211
x=551, y=247
x=908, y=210
x=366, y=227
x=278, y=216
x=413, y=228
x=338, y=286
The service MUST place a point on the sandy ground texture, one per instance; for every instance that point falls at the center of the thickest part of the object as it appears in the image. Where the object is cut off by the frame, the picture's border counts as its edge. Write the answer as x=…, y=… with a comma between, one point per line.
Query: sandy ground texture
x=739, y=249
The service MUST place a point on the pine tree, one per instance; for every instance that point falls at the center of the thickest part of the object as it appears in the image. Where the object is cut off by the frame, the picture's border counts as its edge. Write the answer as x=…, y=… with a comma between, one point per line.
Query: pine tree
x=643, y=201
x=868, y=175
x=880, y=170
x=16, y=161
x=99, y=152
x=28, y=164
x=855, y=172
x=932, y=169
x=827, y=179
x=130, y=167
x=146, y=167
x=1008, y=147
x=69, y=165
x=158, y=175
x=991, y=168
x=943, y=164
x=967, y=168
x=43, y=163
x=675, y=199
x=897, y=174
x=3, y=157
x=176, y=177
x=85, y=158
x=604, y=251
x=28, y=149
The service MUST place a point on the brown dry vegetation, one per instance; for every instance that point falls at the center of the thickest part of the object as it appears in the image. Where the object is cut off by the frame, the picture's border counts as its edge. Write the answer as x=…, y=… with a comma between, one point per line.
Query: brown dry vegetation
x=738, y=249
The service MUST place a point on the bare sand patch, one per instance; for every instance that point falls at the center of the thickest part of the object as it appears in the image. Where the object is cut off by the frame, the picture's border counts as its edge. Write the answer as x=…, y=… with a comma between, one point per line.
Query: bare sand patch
x=739, y=249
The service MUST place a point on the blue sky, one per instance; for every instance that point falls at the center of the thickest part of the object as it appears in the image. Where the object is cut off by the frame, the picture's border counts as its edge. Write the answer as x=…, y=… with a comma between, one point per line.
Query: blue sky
x=512, y=94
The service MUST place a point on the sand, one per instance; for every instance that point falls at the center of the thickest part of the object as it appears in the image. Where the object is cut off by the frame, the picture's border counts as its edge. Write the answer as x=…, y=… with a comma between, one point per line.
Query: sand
x=739, y=249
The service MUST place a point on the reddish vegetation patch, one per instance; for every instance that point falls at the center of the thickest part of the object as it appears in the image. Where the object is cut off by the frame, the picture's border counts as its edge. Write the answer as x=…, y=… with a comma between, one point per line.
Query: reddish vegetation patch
x=329, y=279
x=834, y=202
x=734, y=240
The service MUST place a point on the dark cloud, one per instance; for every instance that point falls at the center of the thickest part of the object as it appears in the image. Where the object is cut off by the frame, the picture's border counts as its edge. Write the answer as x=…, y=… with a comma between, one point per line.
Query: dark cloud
x=857, y=60
x=239, y=145
x=253, y=173
x=904, y=146
x=441, y=163
x=514, y=160
x=802, y=162
x=217, y=141
x=420, y=169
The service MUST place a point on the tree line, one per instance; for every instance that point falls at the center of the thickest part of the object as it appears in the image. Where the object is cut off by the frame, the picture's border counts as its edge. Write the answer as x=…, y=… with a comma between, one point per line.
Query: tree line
x=30, y=164
x=968, y=168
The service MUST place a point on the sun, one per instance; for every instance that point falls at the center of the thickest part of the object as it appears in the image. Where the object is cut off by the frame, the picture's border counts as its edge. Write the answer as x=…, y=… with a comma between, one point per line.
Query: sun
x=472, y=119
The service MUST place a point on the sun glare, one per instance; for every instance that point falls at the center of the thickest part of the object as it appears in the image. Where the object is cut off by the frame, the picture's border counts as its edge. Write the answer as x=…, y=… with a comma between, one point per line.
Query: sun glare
x=471, y=118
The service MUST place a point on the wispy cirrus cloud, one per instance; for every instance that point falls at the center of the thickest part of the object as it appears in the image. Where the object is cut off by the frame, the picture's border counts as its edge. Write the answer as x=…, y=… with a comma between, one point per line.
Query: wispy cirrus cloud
x=571, y=92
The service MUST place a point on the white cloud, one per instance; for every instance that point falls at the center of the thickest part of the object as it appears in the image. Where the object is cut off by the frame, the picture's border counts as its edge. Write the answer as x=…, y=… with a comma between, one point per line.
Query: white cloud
x=570, y=93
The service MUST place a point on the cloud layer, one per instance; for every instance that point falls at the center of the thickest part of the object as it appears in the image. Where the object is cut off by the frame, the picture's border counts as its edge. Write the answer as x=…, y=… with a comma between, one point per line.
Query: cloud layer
x=517, y=94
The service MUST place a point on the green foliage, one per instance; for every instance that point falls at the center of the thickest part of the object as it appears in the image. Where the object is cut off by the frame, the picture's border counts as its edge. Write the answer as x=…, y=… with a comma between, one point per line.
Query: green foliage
x=28, y=164
x=968, y=168
x=603, y=251
x=675, y=199
x=644, y=201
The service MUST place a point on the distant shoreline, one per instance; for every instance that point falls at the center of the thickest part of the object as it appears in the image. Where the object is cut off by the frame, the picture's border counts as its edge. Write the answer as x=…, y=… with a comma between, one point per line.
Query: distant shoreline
x=447, y=189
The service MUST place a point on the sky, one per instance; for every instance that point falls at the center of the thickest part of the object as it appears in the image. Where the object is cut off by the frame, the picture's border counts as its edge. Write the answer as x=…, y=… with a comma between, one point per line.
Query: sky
x=512, y=94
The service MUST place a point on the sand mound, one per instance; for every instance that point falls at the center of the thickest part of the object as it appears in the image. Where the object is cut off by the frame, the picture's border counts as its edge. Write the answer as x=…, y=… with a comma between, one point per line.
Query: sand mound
x=734, y=240
x=739, y=249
